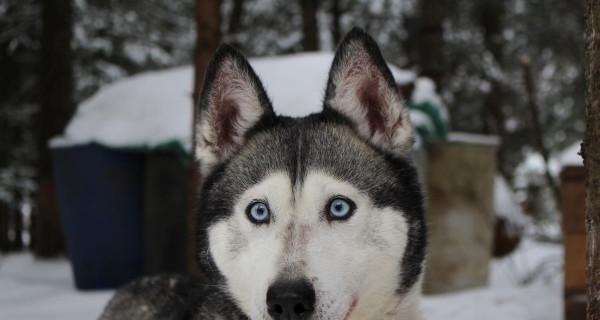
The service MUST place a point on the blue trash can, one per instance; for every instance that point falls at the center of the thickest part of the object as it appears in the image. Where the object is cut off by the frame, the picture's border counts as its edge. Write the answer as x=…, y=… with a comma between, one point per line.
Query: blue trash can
x=100, y=193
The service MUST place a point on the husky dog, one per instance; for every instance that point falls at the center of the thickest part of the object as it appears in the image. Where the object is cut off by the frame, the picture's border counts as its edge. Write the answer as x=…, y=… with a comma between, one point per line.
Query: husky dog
x=320, y=217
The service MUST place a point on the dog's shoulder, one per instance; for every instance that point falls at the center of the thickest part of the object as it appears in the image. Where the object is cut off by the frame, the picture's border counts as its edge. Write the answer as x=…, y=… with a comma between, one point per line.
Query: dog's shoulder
x=171, y=296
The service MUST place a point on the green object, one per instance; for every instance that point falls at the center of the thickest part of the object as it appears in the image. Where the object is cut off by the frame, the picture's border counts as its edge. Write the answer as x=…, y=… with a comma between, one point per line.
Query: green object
x=440, y=127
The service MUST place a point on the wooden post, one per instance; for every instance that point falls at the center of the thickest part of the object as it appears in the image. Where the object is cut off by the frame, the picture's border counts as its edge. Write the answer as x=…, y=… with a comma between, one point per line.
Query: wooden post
x=208, y=37
x=591, y=155
x=572, y=191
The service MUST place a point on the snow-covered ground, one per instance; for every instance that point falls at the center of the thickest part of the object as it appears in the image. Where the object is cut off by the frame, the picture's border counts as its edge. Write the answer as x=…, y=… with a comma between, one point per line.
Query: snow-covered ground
x=44, y=289
x=539, y=265
x=36, y=289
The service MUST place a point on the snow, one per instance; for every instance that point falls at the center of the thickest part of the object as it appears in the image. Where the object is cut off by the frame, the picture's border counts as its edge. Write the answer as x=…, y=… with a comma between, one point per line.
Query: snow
x=44, y=289
x=528, y=303
x=41, y=289
x=155, y=108
x=527, y=285
x=425, y=91
x=422, y=119
x=571, y=157
x=145, y=110
x=296, y=83
x=507, y=206
x=534, y=163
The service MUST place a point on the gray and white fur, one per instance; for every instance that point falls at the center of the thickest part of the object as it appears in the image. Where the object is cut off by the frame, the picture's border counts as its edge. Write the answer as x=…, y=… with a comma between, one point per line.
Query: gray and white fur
x=303, y=261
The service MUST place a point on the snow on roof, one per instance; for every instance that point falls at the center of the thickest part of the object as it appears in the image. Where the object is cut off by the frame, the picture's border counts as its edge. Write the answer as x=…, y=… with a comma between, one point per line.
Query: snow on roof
x=296, y=83
x=474, y=138
x=425, y=90
x=155, y=108
x=144, y=110
x=571, y=157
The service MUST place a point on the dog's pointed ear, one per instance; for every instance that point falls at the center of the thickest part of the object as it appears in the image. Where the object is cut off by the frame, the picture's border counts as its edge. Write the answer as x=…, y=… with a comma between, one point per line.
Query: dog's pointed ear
x=232, y=103
x=362, y=89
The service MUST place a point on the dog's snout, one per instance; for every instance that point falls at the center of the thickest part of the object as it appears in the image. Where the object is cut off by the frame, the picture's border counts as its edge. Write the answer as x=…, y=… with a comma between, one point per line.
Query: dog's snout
x=290, y=300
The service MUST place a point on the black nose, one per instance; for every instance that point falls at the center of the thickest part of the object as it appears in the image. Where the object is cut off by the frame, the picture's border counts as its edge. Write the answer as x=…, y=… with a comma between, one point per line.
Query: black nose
x=290, y=300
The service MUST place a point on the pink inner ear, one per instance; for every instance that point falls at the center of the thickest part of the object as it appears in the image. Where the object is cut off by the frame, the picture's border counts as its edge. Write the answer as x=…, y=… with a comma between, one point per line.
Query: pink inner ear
x=370, y=100
x=225, y=113
x=226, y=116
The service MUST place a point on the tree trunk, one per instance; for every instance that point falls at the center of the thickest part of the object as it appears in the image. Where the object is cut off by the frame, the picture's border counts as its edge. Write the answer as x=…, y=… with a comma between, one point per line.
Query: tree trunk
x=235, y=18
x=431, y=40
x=336, y=26
x=235, y=22
x=536, y=124
x=5, y=243
x=591, y=155
x=56, y=108
x=491, y=15
x=310, y=26
x=208, y=28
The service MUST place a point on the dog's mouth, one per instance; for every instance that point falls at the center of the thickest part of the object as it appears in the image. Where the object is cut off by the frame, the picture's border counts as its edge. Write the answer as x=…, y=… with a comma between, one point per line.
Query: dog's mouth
x=351, y=309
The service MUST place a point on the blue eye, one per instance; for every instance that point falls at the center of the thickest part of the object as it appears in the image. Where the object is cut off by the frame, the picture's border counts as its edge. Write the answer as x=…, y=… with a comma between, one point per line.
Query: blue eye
x=258, y=212
x=340, y=209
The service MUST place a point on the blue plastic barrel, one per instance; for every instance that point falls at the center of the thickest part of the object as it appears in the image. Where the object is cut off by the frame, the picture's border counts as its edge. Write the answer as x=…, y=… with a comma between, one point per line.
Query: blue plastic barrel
x=100, y=193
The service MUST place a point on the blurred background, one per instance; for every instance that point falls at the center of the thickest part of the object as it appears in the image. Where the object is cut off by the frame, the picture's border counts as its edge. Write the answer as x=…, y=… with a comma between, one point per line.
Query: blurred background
x=96, y=100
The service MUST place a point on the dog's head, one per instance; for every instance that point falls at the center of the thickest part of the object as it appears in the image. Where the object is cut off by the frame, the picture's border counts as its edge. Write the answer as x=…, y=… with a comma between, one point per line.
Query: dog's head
x=318, y=217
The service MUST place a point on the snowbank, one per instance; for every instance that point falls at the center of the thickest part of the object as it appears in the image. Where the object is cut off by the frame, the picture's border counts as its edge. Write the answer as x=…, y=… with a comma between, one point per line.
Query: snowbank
x=44, y=289
x=527, y=303
x=155, y=108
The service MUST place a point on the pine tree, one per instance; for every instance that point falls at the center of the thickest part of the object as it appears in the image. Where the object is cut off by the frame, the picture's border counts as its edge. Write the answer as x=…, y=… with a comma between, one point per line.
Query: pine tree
x=56, y=108
x=310, y=25
x=208, y=37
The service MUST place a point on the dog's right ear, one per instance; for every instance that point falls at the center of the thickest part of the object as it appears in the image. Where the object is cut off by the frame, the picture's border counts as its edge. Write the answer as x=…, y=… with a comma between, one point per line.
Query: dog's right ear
x=232, y=102
x=362, y=89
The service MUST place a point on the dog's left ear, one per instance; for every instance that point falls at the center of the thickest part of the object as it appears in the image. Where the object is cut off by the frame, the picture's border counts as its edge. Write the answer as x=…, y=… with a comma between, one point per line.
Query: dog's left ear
x=232, y=103
x=362, y=89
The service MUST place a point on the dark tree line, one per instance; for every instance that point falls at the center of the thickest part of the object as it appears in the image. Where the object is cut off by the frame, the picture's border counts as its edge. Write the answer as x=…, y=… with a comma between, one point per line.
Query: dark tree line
x=53, y=54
